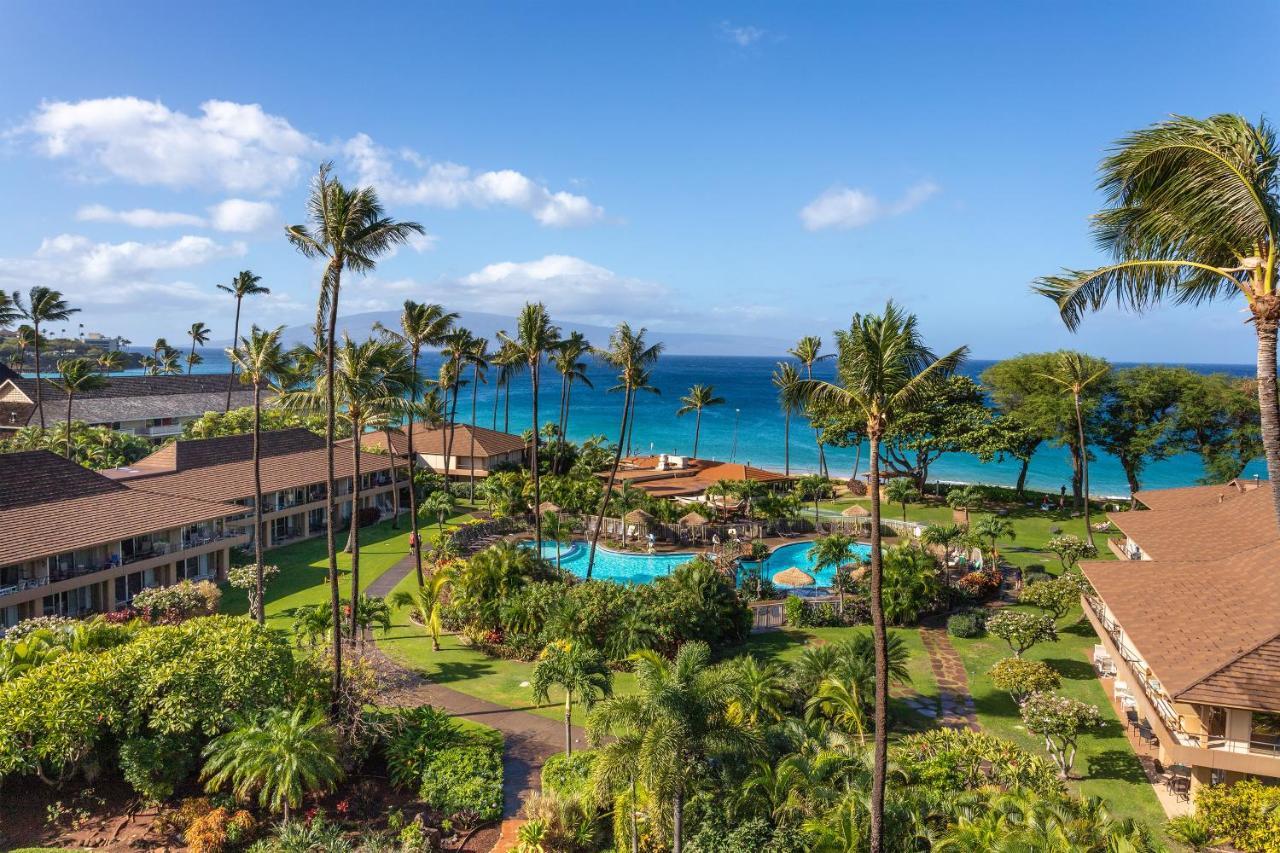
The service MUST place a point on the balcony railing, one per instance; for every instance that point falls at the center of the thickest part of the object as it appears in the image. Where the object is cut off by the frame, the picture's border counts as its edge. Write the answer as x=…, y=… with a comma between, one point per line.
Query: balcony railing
x=1123, y=549
x=24, y=584
x=1251, y=747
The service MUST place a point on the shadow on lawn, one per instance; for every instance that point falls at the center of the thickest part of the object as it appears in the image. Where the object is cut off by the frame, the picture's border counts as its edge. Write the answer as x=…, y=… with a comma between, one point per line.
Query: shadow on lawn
x=447, y=672
x=1075, y=670
x=1116, y=764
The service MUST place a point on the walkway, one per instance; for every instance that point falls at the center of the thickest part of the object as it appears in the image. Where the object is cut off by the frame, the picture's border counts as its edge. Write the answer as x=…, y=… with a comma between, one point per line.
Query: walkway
x=953, y=684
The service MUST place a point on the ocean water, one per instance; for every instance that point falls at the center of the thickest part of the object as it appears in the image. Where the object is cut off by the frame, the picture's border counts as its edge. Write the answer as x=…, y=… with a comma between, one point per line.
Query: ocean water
x=749, y=427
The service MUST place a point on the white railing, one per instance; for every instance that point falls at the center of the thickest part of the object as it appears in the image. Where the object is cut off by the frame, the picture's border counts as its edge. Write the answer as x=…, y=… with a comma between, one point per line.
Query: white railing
x=24, y=584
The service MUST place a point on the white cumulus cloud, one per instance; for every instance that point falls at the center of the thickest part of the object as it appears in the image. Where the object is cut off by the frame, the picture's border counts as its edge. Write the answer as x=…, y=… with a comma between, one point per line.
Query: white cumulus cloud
x=844, y=208
x=236, y=147
x=450, y=185
x=234, y=215
x=142, y=217
x=101, y=261
x=240, y=216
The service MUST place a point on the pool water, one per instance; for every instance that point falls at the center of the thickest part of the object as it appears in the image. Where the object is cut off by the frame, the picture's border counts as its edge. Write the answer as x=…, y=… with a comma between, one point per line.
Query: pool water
x=612, y=565
x=797, y=554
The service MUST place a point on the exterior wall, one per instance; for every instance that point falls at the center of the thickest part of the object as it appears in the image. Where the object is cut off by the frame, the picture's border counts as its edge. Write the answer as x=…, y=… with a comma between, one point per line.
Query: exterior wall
x=481, y=464
x=302, y=508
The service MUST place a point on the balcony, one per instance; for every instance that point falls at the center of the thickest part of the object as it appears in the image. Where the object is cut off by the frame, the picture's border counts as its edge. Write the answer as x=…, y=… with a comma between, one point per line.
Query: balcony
x=1123, y=549
x=23, y=584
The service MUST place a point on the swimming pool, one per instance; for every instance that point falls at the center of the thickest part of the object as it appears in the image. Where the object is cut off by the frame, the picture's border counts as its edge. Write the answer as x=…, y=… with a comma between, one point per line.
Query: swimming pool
x=613, y=565
x=797, y=554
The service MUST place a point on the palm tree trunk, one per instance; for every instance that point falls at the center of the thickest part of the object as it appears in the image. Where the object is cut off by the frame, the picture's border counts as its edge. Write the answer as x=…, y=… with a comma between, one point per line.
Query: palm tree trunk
x=880, y=636
x=395, y=485
x=475, y=390
x=1269, y=402
x=70, y=396
x=608, y=489
x=448, y=438
x=235, y=341
x=697, y=430
x=260, y=615
x=413, y=488
x=192, y=357
x=497, y=393
x=353, y=541
x=39, y=389
x=677, y=815
x=555, y=465
x=1084, y=469
x=568, y=724
x=331, y=508
x=537, y=475
x=631, y=425
x=506, y=408
x=568, y=400
x=786, y=443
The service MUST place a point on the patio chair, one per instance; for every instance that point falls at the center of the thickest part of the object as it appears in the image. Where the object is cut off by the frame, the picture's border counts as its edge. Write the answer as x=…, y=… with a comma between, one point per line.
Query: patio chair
x=1131, y=718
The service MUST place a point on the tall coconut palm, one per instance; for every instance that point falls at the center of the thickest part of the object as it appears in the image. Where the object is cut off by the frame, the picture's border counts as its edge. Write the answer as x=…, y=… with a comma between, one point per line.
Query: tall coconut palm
x=44, y=305
x=679, y=720
x=1193, y=210
x=75, y=376
x=365, y=386
x=630, y=355
x=199, y=334
x=787, y=380
x=244, y=284
x=110, y=361
x=478, y=357
x=420, y=326
x=259, y=359
x=167, y=362
x=833, y=552
x=509, y=365
x=808, y=351
x=1075, y=375
x=883, y=369
x=350, y=231
x=535, y=338
x=282, y=757
x=567, y=360
x=699, y=397
x=24, y=338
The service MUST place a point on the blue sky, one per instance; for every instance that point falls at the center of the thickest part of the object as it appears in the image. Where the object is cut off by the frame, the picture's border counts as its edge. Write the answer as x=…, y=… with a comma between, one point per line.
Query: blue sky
x=755, y=168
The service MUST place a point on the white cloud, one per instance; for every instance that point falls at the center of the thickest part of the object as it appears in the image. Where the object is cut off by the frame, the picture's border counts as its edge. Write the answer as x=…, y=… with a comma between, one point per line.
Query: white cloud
x=236, y=147
x=845, y=208
x=450, y=185
x=240, y=216
x=142, y=217
x=742, y=36
x=97, y=262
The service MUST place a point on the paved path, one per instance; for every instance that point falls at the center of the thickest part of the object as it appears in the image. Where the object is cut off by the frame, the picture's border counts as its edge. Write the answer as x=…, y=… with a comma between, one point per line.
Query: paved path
x=385, y=582
x=953, y=683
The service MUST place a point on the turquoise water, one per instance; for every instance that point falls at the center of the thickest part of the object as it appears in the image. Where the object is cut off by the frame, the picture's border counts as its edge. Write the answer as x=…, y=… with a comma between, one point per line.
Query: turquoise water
x=797, y=554
x=612, y=565
x=749, y=427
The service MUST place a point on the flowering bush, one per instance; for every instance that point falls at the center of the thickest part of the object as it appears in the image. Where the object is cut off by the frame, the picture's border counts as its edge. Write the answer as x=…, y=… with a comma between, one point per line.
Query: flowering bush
x=1020, y=678
x=1059, y=720
x=169, y=605
x=979, y=586
x=1021, y=630
x=39, y=623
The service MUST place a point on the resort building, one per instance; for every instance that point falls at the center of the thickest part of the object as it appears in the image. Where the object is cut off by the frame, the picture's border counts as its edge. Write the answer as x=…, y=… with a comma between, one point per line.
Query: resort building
x=1189, y=628
x=154, y=407
x=488, y=451
x=666, y=476
x=73, y=542
x=293, y=475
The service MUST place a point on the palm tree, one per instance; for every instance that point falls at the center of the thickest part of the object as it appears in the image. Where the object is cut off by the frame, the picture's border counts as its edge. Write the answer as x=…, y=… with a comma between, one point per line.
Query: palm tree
x=285, y=756
x=884, y=368
x=350, y=231
x=901, y=491
x=244, y=284
x=762, y=691
x=9, y=311
x=946, y=536
x=787, y=380
x=994, y=528
x=24, y=338
x=698, y=398
x=813, y=486
x=678, y=720
x=259, y=359
x=535, y=338
x=110, y=361
x=455, y=352
x=567, y=359
x=808, y=351
x=1075, y=374
x=428, y=602
x=574, y=668
x=420, y=326
x=838, y=700
x=439, y=504
x=507, y=360
x=629, y=353
x=199, y=334
x=832, y=552
x=75, y=376
x=478, y=357
x=1194, y=205
x=558, y=529
x=44, y=305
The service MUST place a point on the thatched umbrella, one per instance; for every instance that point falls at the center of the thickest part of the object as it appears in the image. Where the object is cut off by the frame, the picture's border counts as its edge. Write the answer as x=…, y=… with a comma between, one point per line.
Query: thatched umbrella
x=547, y=506
x=692, y=519
x=856, y=511
x=793, y=577
x=637, y=516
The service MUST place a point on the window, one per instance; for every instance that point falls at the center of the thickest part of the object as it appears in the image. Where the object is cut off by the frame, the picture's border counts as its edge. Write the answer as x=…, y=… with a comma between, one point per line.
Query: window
x=127, y=586
x=1266, y=728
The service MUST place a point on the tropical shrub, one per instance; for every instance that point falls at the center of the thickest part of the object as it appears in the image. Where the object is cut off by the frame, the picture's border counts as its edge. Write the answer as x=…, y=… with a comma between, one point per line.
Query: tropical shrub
x=219, y=829
x=979, y=586
x=911, y=583
x=797, y=614
x=1245, y=815
x=177, y=602
x=1020, y=677
x=967, y=624
x=1070, y=549
x=154, y=766
x=569, y=775
x=414, y=736
x=697, y=603
x=962, y=760
x=1060, y=720
x=1056, y=596
x=464, y=777
x=1021, y=630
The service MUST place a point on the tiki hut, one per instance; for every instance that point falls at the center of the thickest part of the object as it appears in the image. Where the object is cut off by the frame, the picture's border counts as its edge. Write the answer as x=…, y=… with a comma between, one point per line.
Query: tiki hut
x=637, y=516
x=856, y=511
x=692, y=519
x=548, y=506
x=793, y=577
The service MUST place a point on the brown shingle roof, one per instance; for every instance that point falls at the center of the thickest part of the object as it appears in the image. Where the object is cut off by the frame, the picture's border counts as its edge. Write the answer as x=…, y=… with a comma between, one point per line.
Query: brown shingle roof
x=1250, y=681
x=430, y=441
x=127, y=398
x=1192, y=496
x=222, y=468
x=52, y=505
x=1198, y=527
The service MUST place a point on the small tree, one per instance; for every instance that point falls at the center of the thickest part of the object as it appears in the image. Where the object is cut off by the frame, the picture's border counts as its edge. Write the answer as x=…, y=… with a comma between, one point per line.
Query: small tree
x=246, y=577
x=438, y=504
x=1020, y=678
x=989, y=530
x=902, y=491
x=1060, y=720
x=1070, y=550
x=1057, y=596
x=577, y=669
x=428, y=602
x=1021, y=630
x=966, y=498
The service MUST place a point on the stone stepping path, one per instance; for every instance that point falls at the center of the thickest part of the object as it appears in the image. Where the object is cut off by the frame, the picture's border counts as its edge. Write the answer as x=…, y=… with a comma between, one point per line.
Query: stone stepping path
x=957, y=710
